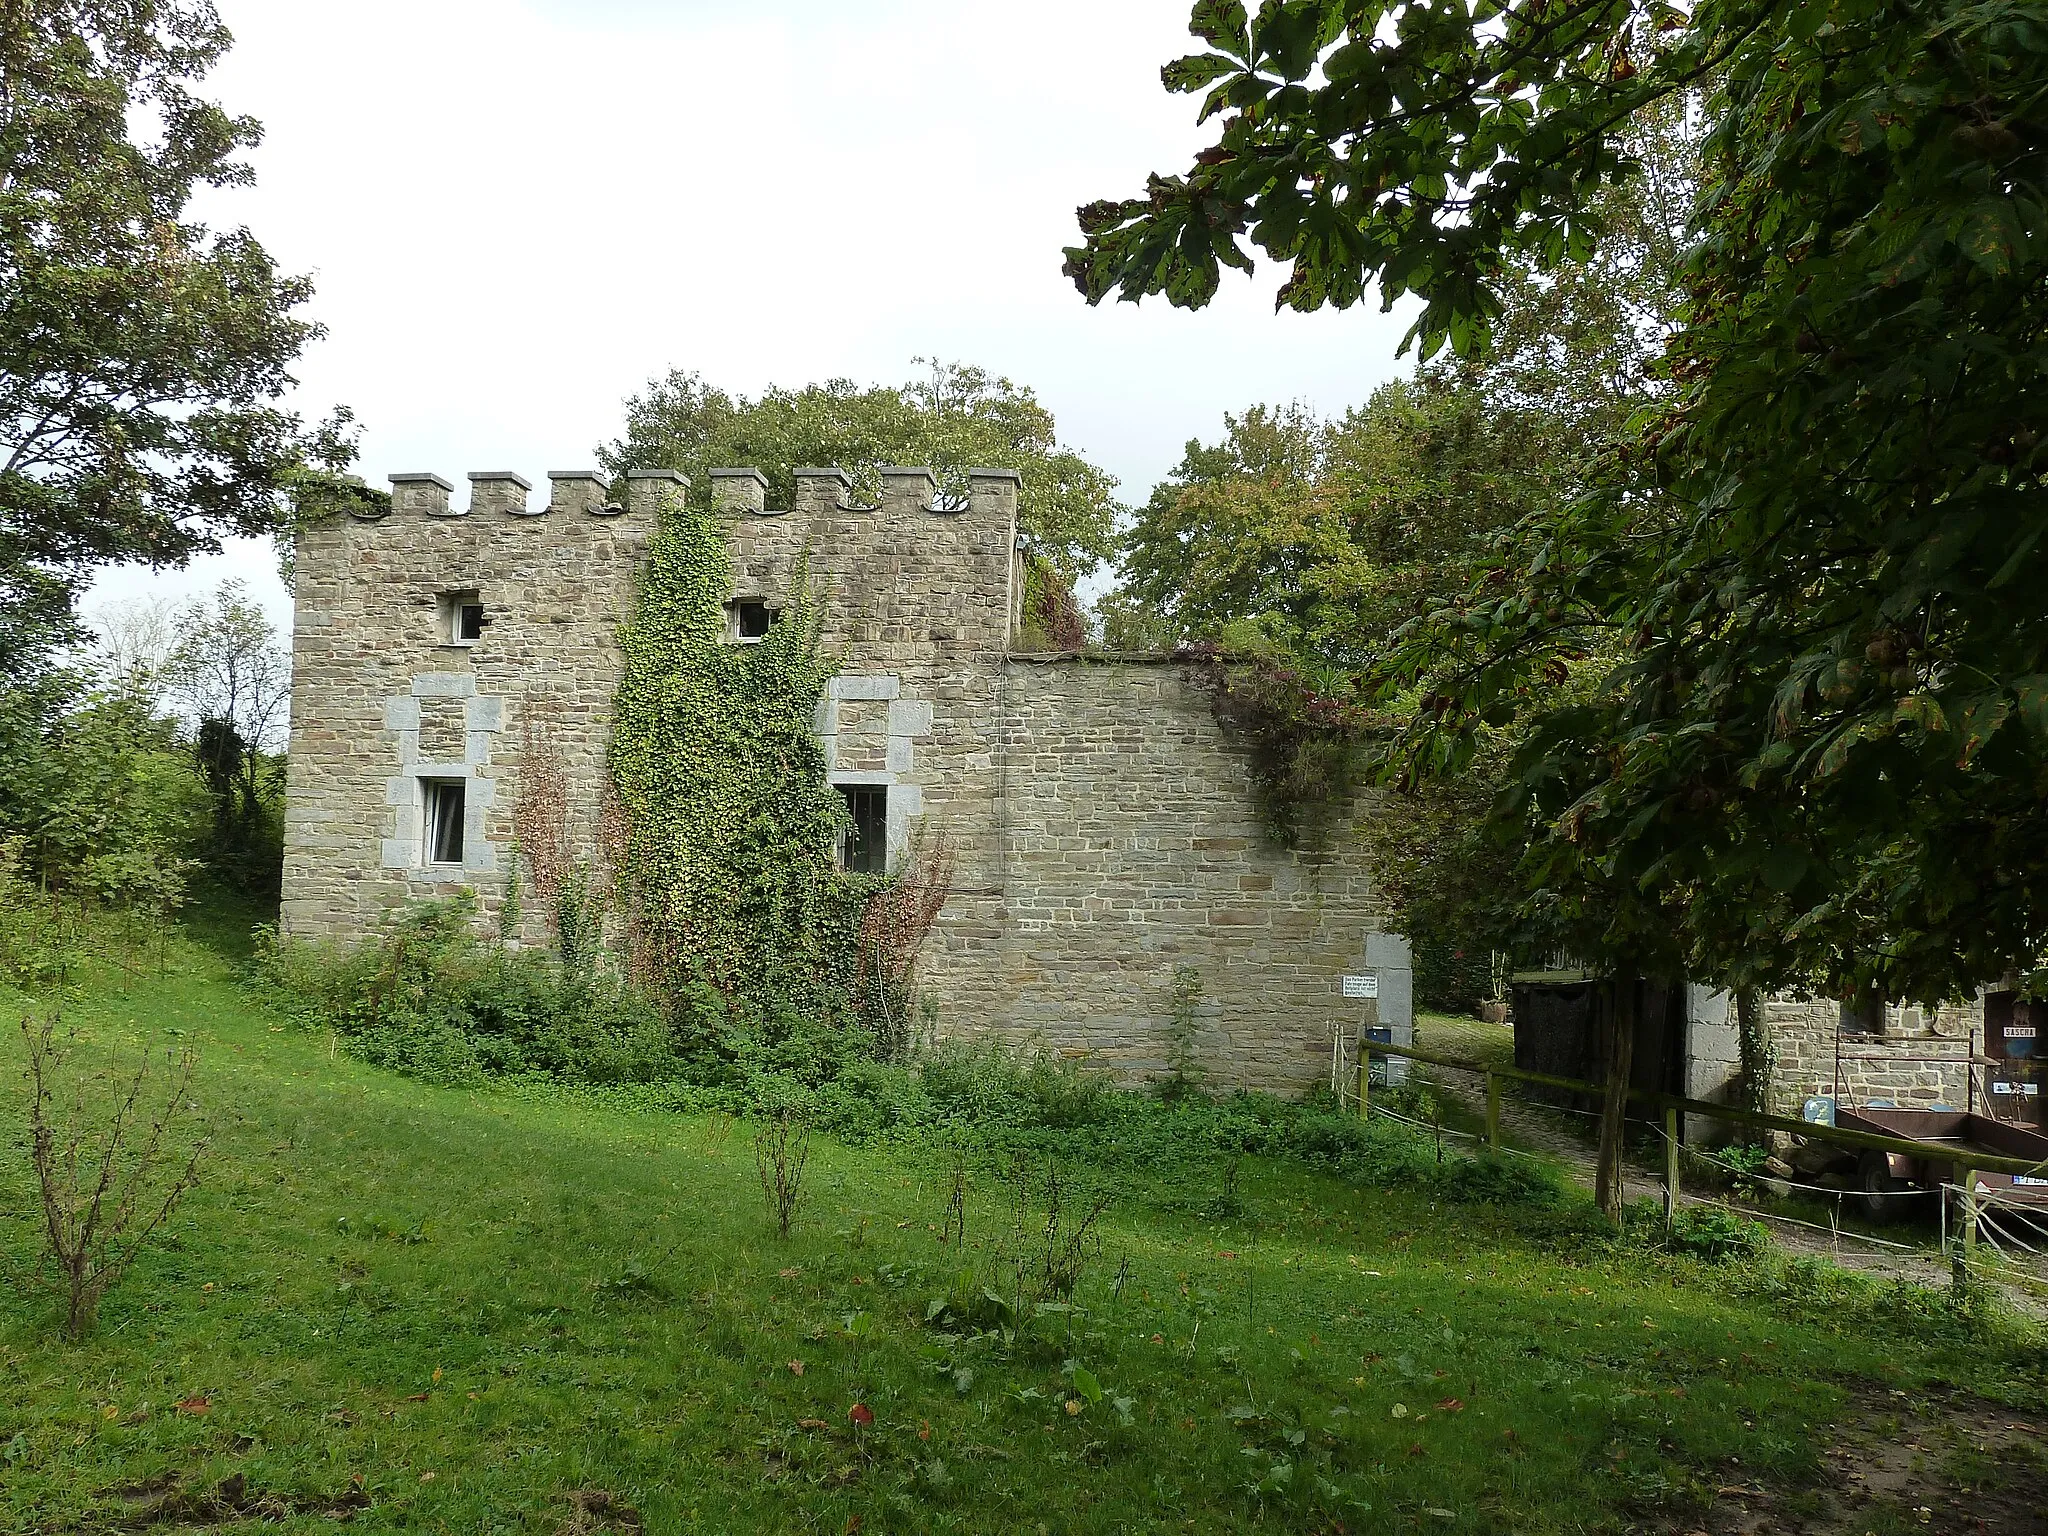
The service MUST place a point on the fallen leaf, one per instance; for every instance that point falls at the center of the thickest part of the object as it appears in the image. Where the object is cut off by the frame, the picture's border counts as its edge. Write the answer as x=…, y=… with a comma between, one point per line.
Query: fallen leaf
x=924, y=1429
x=111, y=1412
x=789, y=1274
x=1417, y=1450
x=206, y=1287
x=427, y=1477
x=1400, y=1410
x=437, y=1374
x=1073, y=1407
x=1227, y=1254
x=472, y=1397
x=853, y=1523
x=812, y=1424
x=796, y=1367
x=419, y=1397
x=1158, y=1338
x=1452, y=1405
x=194, y=1405
x=861, y=1414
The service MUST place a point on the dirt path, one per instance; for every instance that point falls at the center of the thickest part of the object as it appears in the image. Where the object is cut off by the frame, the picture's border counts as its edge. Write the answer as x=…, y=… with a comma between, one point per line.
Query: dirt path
x=1959, y=1467
x=1567, y=1138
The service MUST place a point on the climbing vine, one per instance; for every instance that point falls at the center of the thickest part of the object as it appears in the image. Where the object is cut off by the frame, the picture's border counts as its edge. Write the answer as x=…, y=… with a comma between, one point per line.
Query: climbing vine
x=727, y=825
x=1302, y=727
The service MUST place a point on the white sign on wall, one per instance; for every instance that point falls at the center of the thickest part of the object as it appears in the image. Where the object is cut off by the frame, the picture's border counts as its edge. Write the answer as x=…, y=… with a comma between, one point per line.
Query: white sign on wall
x=1362, y=986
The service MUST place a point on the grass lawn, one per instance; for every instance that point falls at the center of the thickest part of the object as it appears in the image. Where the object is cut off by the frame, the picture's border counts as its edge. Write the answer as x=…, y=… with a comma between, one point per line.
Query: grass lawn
x=451, y=1310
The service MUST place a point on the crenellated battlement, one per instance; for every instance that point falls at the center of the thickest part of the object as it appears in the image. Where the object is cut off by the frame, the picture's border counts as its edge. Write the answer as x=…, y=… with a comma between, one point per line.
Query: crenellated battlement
x=737, y=492
x=506, y=493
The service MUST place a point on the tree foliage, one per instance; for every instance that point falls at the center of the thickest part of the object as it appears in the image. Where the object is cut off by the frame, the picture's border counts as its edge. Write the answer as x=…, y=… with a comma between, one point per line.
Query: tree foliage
x=1821, y=754
x=141, y=353
x=232, y=680
x=1325, y=536
x=956, y=418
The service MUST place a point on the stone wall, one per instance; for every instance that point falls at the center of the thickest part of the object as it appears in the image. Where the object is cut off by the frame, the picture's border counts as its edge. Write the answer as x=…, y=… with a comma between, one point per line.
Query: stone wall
x=1920, y=1057
x=1132, y=847
x=1103, y=831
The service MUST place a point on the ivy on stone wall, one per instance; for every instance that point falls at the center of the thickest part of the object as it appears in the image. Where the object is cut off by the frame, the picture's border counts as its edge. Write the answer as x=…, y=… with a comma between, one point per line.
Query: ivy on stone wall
x=727, y=829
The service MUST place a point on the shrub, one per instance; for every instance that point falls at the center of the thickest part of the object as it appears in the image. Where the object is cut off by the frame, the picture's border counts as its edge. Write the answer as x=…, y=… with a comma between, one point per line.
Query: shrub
x=426, y=996
x=429, y=997
x=108, y=1164
x=1707, y=1232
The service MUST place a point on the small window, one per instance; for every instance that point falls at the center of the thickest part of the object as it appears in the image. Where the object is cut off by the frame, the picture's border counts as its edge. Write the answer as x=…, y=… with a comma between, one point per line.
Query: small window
x=462, y=618
x=864, y=846
x=751, y=618
x=1863, y=1015
x=444, y=805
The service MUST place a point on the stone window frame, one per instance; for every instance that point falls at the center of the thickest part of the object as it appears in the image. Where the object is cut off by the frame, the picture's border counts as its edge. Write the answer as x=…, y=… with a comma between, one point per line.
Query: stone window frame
x=434, y=820
x=483, y=718
x=909, y=721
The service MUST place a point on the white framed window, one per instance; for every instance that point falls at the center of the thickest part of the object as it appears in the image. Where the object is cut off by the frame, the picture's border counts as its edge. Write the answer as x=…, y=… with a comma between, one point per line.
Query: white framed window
x=462, y=618
x=748, y=619
x=442, y=804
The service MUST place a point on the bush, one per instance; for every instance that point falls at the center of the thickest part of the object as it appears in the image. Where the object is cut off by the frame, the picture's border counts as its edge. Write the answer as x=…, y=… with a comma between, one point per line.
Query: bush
x=429, y=997
x=1707, y=1232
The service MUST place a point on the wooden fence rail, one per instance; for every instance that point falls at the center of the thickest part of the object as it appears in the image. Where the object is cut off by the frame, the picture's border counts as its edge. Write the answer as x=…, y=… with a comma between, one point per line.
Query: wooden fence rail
x=1672, y=1105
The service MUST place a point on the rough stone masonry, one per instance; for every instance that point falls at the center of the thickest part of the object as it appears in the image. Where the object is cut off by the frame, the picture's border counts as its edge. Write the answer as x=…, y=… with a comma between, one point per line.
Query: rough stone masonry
x=1106, y=831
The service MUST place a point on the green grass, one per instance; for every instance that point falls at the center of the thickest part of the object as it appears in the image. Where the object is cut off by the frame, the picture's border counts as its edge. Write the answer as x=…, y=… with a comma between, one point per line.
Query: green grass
x=476, y=1302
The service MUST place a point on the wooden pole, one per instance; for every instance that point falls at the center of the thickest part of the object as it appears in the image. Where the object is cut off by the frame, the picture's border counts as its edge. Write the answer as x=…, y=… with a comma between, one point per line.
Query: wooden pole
x=1368, y=1020
x=1493, y=1111
x=1670, y=1165
x=1608, y=1191
x=1966, y=1207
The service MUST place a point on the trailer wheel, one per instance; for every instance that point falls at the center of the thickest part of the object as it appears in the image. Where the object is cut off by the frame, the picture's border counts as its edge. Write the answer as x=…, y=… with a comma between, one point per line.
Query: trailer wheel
x=1881, y=1194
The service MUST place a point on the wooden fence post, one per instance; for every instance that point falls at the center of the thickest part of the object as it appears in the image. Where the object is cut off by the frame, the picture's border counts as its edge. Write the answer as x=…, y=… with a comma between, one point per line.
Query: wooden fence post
x=1493, y=1111
x=1966, y=1208
x=1670, y=1164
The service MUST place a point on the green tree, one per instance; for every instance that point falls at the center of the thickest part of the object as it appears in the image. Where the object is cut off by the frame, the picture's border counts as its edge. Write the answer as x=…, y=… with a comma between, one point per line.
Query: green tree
x=232, y=678
x=1326, y=536
x=955, y=418
x=141, y=353
x=1821, y=753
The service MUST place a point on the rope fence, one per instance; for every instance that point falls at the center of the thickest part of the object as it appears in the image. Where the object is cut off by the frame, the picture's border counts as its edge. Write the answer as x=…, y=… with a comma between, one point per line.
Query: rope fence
x=1994, y=1234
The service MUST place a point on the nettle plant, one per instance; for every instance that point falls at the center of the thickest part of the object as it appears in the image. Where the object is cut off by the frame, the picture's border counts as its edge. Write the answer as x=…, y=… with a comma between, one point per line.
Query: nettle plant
x=727, y=827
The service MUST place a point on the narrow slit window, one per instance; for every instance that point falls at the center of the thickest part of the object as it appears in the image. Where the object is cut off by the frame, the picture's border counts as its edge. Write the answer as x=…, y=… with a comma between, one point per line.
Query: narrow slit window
x=864, y=846
x=444, y=807
x=751, y=619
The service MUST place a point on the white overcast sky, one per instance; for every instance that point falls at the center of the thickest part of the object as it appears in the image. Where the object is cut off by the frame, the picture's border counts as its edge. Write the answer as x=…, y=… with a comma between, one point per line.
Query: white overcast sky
x=517, y=213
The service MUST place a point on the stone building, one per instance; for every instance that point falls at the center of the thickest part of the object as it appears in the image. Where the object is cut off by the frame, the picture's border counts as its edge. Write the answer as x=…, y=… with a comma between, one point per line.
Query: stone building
x=1106, y=832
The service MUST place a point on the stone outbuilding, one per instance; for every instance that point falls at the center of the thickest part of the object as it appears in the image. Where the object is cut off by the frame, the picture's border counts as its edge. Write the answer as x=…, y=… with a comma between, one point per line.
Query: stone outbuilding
x=1106, y=832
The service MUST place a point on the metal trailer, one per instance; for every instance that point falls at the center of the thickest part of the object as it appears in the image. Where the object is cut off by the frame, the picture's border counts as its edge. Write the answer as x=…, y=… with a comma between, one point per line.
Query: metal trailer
x=1884, y=1176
